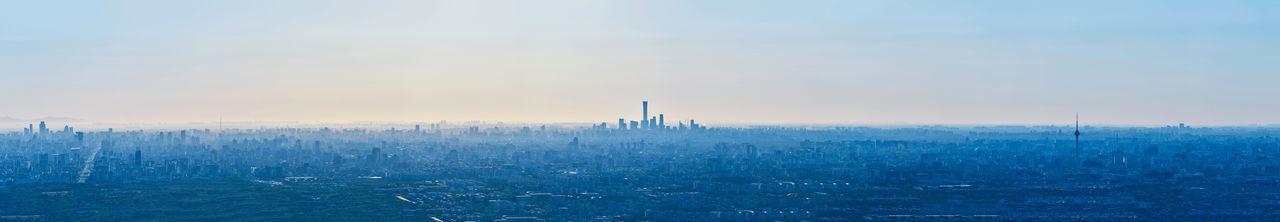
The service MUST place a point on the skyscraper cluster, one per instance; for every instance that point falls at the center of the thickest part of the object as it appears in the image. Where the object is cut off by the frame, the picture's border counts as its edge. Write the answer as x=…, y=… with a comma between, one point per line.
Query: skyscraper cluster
x=44, y=130
x=647, y=122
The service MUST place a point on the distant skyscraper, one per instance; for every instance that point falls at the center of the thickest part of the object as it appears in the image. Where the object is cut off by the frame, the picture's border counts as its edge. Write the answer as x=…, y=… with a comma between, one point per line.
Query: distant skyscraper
x=622, y=124
x=661, y=122
x=645, y=115
x=653, y=122
x=137, y=158
x=43, y=129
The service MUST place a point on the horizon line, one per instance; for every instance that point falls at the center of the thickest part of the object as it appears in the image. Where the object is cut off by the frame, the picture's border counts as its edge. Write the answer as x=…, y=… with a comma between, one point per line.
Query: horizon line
x=713, y=124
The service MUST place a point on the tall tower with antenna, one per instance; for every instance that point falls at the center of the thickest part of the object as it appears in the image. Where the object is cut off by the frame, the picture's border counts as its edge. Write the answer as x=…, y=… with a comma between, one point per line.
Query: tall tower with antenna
x=1077, y=135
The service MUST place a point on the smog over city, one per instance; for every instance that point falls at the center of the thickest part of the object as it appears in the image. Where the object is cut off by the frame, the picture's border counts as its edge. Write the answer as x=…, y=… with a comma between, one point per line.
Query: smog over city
x=639, y=110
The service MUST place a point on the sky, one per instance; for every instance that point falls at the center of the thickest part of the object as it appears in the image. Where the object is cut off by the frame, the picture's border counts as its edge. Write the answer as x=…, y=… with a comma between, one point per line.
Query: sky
x=855, y=62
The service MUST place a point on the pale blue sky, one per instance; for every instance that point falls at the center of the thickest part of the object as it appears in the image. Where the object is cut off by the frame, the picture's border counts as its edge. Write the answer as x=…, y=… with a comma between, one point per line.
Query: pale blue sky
x=935, y=62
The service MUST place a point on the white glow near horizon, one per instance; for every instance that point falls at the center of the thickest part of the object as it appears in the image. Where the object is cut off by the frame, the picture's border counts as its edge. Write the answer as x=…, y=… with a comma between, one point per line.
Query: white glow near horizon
x=925, y=62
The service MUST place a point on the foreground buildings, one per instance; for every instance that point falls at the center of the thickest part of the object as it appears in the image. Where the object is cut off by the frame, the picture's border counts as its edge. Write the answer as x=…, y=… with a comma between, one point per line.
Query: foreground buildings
x=532, y=172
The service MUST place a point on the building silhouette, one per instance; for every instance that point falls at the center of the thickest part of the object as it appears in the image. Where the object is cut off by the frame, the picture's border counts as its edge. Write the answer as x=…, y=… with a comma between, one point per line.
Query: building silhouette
x=137, y=158
x=658, y=122
x=645, y=115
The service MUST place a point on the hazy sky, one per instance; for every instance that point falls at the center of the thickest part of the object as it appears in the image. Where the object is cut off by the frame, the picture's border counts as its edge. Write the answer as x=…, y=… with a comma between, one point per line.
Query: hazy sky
x=943, y=62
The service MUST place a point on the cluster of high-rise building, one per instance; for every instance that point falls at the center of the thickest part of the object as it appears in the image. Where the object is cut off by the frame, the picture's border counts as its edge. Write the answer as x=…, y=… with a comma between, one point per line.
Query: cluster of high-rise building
x=43, y=129
x=648, y=122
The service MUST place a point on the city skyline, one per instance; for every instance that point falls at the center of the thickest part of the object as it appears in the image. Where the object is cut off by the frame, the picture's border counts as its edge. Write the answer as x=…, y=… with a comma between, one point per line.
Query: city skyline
x=655, y=121
x=652, y=110
x=625, y=122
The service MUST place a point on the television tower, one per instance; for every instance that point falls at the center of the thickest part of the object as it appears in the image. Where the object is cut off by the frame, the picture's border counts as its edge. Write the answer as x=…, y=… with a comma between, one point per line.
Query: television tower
x=1077, y=135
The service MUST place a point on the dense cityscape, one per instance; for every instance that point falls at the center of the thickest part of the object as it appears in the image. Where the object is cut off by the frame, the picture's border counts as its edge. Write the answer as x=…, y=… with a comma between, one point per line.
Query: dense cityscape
x=644, y=170
x=572, y=110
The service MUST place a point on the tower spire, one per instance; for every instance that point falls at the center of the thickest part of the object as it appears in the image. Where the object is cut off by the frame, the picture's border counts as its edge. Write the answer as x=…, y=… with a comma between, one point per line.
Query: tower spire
x=1077, y=133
